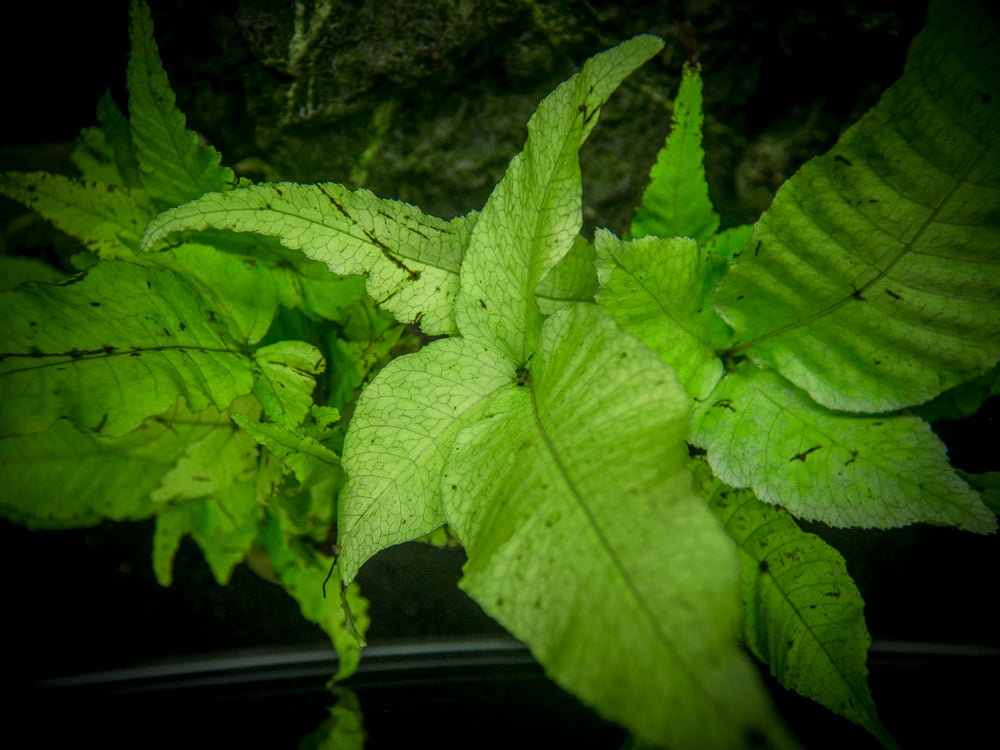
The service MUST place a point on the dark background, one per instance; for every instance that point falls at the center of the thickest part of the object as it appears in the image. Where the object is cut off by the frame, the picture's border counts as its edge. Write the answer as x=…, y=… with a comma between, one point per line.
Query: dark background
x=781, y=81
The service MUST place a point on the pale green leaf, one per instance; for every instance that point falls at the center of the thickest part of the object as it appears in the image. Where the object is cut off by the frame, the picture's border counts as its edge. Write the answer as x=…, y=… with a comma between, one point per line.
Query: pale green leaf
x=398, y=441
x=660, y=290
x=533, y=216
x=284, y=378
x=411, y=260
x=108, y=220
x=175, y=168
x=844, y=469
x=676, y=202
x=585, y=539
x=803, y=614
x=873, y=281
x=110, y=348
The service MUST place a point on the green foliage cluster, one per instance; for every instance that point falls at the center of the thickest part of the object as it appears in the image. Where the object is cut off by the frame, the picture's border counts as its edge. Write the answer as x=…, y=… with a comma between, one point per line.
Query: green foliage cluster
x=619, y=433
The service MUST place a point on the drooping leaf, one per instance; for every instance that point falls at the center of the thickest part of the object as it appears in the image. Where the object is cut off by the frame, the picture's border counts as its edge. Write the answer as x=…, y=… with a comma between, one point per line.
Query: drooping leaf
x=224, y=525
x=411, y=260
x=660, y=290
x=585, y=539
x=111, y=348
x=676, y=202
x=175, y=168
x=535, y=212
x=803, y=614
x=303, y=575
x=874, y=278
x=108, y=220
x=844, y=469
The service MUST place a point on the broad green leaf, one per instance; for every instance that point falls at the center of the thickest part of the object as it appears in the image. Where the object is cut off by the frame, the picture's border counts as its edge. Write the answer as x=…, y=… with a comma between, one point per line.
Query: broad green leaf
x=660, y=290
x=175, y=168
x=63, y=477
x=676, y=202
x=108, y=220
x=241, y=289
x=873, y=280
x=284, y=378
x=302, y=574
x=803, y=614
x=398, y=441
x=586, y=540
x=110, y=348
x=535, y=212
x=962, y=401
x=411, y=260
x=844, y=469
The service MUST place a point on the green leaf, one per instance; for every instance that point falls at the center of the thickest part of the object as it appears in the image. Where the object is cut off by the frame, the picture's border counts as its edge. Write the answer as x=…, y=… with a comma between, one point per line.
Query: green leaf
x=108, y=220
x=223, y=457
x=242, y=290
x=118, y=135
x=175, y=168
x=308, y=458
x=110, y=348
x=303, y=574
x=585, y=539
x=874, y=278
x=398, y=441
x=988, y=484
x=284, y=378
x=843, y=469
x=535, y=212
x=343, y=729
x=411, y=259
x=676, y=202
x=573, y=279
x=64, y=477
x=803, y=614
x=16, y=270
x=660, y=290
x=224, y=526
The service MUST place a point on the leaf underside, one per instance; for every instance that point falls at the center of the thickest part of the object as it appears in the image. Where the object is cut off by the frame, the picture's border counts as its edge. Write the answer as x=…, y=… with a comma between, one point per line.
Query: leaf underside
x=873, y=281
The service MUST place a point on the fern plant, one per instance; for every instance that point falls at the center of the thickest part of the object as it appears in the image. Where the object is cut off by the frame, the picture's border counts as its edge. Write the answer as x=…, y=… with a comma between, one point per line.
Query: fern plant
x=619, y=433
